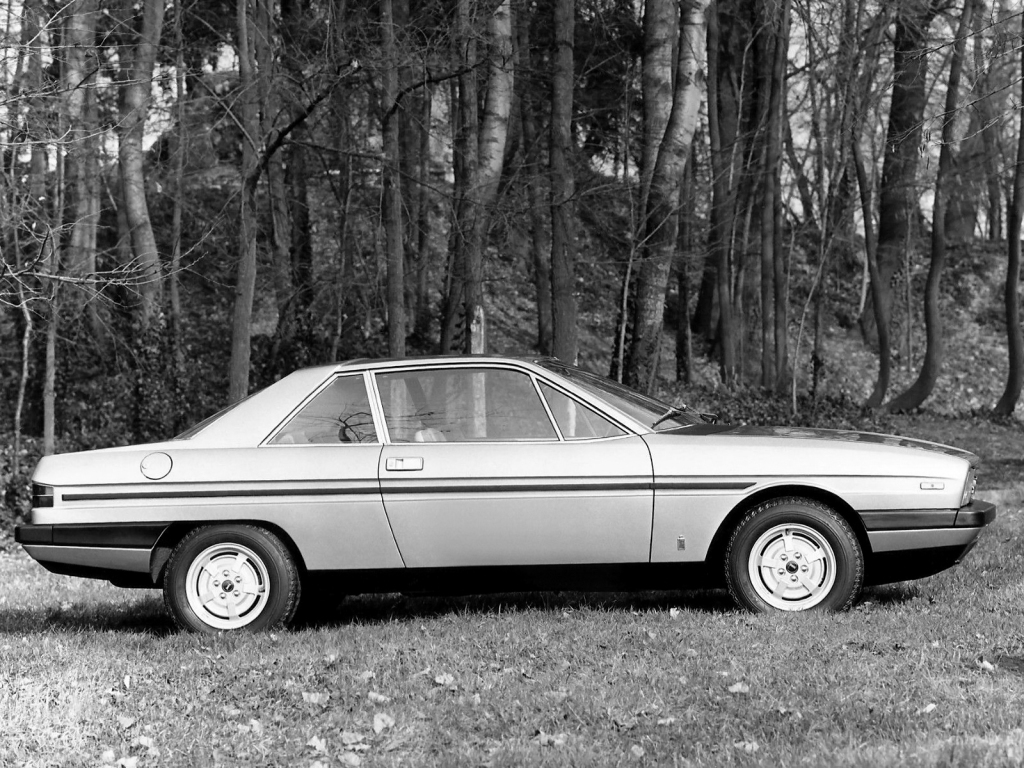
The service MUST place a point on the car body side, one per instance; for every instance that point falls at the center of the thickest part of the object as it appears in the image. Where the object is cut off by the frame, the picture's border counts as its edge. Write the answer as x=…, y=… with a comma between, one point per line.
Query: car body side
x=645, y=501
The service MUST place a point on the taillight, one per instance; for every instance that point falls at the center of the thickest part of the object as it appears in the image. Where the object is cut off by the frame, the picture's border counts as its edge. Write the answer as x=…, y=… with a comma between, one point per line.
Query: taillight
x=969, y=487
x=42, y=495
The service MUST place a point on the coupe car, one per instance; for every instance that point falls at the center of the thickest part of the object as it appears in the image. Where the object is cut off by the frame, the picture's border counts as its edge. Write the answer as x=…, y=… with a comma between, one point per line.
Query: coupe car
x=475, y=474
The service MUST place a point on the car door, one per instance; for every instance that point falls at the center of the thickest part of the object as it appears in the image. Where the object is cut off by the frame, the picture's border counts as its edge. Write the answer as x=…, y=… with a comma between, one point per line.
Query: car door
x=475, y=473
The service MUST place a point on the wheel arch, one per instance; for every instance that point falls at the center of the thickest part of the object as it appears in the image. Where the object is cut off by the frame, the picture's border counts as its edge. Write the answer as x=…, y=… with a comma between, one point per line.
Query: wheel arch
x=716, y=552
x=175, y=532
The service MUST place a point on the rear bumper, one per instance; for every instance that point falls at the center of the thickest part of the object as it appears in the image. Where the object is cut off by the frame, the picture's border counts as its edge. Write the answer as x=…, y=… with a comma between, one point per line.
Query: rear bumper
x=95, y=551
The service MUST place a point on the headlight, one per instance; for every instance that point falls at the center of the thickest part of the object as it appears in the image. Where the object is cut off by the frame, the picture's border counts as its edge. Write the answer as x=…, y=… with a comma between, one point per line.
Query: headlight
x=969, y=488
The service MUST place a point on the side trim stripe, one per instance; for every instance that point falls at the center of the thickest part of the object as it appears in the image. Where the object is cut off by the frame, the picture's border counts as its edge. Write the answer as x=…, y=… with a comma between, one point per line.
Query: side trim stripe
x=426, y=487
x=220, y=494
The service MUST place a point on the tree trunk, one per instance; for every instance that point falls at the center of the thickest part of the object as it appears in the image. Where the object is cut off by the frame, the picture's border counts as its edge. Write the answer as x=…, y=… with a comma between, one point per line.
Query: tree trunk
x=563, y=186
x=539, y=248
x=465, y=129
x=483, y=189
x=423, y=314
x=1015, y=342
x=898, y=194
x=661, y=217
x=919, y=391
x=135, y=100
x=245, y=284
x=774, y=151
x=392, y=188
x=722, y=134
x=871, y=258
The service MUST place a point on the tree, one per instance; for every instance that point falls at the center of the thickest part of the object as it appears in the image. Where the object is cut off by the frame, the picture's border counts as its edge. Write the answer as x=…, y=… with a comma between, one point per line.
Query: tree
x=563, y=186
x=136, y=96
x=393, y=231
x=245, y=285
x=898, y=195
x=482, y=141
x=919, y=391
x=661, y=216
x=1015, y=339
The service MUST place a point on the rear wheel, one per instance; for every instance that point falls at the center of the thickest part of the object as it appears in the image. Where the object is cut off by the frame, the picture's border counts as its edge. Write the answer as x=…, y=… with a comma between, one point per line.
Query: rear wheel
x=230, y=577
x=793, y=554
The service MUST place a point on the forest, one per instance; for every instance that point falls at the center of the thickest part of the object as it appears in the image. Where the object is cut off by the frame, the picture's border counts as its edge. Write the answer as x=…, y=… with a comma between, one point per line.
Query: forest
x=800, y=200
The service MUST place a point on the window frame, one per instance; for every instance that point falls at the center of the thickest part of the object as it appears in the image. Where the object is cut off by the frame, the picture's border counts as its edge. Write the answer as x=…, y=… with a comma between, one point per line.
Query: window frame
x=562, y=391
x=472, y=365
x=375, y=414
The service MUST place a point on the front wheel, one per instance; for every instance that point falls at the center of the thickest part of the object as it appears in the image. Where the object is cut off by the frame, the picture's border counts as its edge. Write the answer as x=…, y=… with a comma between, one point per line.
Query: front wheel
x=229, y=577
x=793, y=554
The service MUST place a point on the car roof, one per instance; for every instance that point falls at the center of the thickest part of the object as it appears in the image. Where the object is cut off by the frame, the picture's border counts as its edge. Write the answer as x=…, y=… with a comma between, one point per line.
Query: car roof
x=383, y=363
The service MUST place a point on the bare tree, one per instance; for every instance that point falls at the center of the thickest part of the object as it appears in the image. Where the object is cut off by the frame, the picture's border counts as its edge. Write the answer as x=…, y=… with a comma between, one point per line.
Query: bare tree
x=898, y=195
x=1015, y=342
x=661, y=220
x=919, y=391
x=136, y=96
x=563, y=185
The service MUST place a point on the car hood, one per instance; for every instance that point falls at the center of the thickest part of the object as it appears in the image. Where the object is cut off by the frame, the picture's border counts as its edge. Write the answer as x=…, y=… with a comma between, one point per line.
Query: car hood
x=832, y=435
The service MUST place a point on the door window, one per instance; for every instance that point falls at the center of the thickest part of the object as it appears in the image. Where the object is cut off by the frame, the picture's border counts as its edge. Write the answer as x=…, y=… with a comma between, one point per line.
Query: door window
x=463, y=405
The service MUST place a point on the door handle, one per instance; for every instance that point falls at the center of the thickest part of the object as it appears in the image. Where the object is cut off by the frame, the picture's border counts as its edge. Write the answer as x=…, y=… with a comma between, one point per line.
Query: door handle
x=404, y=464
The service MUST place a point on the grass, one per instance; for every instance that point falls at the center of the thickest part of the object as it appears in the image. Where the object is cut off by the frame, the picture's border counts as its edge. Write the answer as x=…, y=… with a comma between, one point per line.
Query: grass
x=927, y=673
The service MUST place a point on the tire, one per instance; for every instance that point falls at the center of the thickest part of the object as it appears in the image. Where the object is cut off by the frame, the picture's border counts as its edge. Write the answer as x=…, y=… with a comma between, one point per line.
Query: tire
x=793, y=554
x=231, y=577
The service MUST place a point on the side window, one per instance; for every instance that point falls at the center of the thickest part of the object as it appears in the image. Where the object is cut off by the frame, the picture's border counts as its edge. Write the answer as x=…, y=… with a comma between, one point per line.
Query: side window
x=339, y=414
x=575, y=420
x=463, y=404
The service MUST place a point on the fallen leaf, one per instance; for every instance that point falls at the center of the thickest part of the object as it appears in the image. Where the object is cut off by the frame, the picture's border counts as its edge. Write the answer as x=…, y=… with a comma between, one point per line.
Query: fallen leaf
x=256, y=726
x=382, y=722
x=985, y=666
x=378, y=698
x=637, y=751
x=444, y=679
x=125, y=722
x=317, y=743
x=128, y=762
x=739, y=687
x=351, y=758
x=316, y=697
x=550, y=740
x=927, y=709
x=750, y=747
x=348, y=738
x=366, y=676
x=666, y=721
x=674, y=613
x=108, y=756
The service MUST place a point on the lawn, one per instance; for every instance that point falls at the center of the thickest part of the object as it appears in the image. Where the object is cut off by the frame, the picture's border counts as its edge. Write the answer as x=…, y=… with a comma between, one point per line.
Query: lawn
x=929, y=673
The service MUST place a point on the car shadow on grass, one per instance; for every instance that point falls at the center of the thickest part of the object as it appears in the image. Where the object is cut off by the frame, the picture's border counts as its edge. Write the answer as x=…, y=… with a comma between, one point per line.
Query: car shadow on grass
x=143, y=615
x=147, y=615
x=386, y=608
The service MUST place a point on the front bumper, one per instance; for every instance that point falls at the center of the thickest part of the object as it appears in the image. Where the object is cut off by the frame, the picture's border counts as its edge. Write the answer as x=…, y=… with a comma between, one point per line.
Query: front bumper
x=938, y=540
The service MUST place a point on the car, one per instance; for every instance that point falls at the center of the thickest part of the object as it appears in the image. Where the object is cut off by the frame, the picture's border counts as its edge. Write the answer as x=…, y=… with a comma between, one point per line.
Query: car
x=471, y=474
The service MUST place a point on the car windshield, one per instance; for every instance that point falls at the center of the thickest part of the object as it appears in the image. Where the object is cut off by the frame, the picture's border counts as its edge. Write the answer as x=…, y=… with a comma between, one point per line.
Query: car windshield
x=655, y=413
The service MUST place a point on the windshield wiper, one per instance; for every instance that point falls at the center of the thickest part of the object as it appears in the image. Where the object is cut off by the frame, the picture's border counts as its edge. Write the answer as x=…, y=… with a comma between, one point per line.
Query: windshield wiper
x=670, y=413
x=707, y=418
